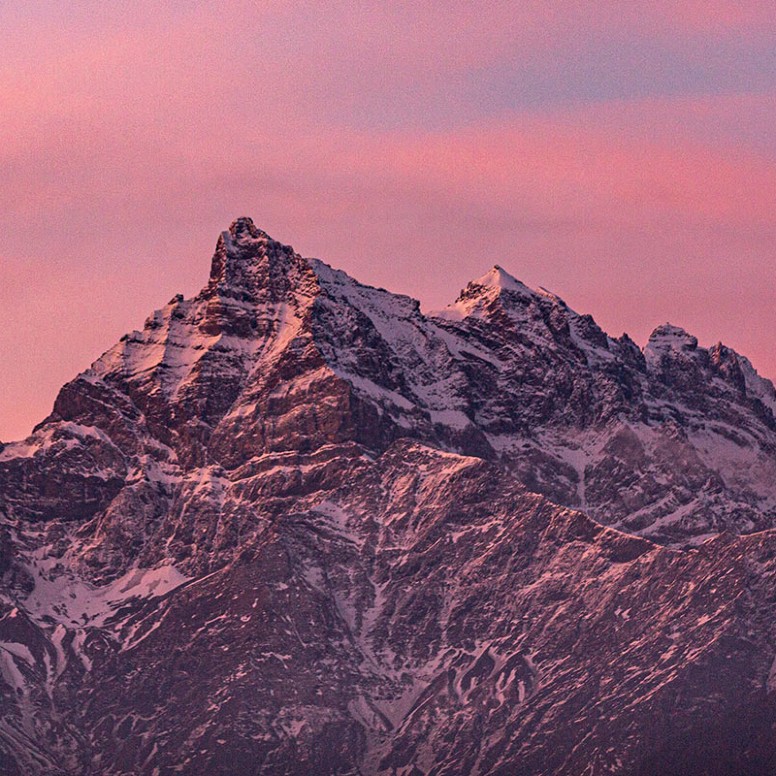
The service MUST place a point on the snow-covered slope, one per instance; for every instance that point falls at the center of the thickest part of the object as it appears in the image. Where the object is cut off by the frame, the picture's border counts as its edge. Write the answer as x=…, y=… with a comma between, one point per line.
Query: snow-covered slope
x=295, y=525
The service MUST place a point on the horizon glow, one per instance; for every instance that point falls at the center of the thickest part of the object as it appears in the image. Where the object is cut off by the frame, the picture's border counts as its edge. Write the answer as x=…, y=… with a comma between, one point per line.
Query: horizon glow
x=624, y=158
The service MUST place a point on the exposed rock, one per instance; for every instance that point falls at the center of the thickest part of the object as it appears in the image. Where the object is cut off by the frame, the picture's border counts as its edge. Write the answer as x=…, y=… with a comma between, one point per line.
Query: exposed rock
x=294, y=525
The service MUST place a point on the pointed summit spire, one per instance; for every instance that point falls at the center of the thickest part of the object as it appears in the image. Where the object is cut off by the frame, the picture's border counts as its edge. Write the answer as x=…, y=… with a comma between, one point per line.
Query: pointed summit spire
x=480, y=294
x=247, y=258
x=498, y=277
x=244, y=227
x=669, y=337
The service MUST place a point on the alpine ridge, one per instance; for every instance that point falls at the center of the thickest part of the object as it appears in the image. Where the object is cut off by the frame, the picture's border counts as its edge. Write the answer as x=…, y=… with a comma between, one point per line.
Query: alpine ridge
x=295, y=525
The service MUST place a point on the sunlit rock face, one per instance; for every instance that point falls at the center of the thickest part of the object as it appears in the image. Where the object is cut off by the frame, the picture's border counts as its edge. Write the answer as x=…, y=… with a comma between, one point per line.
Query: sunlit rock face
x=295, y=525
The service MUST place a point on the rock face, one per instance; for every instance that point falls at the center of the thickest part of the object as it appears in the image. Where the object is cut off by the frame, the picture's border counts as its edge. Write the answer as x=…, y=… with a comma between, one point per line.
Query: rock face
x=296, y=526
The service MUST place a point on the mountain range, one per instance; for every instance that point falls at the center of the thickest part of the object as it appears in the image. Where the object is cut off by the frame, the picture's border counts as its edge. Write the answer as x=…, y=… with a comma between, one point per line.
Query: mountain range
x=295, y=525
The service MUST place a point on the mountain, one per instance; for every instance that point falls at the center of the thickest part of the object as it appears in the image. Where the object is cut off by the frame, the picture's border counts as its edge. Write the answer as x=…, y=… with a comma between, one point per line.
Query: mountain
x=296, y=526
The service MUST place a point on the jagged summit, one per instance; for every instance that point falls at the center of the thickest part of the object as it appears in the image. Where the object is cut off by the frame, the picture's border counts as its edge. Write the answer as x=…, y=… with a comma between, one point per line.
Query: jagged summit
x=246, y=258
x=497, y=277
x=479, y=296
x=244, y=226
x=492, y=284
x=668, y=336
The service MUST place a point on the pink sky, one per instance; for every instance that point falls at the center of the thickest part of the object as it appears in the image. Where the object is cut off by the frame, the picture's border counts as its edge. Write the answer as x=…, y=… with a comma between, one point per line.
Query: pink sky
x=625, y=159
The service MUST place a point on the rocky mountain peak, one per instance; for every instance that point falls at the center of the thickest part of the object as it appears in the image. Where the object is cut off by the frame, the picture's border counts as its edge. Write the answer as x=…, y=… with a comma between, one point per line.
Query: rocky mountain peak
x=480, y=295
x=673, y=356
x=247, y=258
x=244, y=227
x=497, y=277
x=669, y=337
x=494, y=283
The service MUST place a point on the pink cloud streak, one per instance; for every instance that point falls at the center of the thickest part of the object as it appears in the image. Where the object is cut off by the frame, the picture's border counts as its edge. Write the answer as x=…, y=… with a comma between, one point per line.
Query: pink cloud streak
x=128, y=142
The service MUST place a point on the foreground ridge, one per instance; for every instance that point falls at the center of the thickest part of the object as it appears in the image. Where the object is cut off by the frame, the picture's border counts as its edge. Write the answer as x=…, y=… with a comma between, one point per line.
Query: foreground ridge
x=295, y=525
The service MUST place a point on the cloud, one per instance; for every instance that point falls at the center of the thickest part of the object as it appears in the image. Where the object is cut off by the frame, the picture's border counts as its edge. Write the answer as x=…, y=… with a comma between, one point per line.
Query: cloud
x=390, y=139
